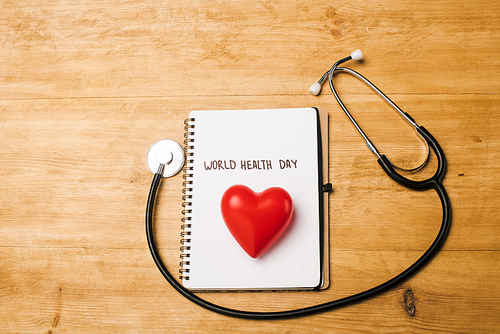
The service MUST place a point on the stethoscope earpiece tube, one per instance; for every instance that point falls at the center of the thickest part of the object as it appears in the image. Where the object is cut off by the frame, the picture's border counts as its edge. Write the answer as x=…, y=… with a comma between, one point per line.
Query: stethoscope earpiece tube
x=435, y=182
x=429, y=183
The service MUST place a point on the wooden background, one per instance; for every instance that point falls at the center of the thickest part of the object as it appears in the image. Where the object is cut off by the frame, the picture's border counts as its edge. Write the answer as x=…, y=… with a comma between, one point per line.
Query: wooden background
x=87, y=86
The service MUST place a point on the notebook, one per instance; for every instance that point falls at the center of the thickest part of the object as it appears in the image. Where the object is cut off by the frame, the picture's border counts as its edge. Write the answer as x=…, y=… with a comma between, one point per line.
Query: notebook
x=259, y=149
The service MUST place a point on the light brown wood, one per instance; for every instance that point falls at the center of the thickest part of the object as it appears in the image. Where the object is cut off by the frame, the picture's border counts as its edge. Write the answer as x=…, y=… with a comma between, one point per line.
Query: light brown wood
x=86, y=87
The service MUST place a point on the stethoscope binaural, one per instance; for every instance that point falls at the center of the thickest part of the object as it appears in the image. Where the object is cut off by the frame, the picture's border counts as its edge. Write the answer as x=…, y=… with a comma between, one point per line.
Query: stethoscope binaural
x=166, y=158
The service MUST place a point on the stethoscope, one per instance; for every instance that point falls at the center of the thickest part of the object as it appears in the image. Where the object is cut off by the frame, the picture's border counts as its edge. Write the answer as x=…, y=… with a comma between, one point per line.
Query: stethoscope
x=166, y=158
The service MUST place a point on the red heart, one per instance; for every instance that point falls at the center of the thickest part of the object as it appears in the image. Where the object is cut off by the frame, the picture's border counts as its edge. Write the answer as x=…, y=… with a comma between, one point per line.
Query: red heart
x=256, y=220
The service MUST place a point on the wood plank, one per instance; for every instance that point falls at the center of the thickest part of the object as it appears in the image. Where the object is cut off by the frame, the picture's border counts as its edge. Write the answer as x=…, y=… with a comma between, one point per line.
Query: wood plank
x=117, y=290
x=140, y=48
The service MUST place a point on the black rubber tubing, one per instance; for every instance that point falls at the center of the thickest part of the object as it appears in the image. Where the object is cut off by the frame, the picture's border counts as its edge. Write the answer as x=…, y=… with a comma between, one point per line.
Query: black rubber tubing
x=429, y=253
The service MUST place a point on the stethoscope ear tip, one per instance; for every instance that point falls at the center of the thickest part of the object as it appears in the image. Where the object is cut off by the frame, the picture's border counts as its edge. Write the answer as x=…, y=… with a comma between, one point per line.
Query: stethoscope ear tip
x=315, y=89
x=357, y=55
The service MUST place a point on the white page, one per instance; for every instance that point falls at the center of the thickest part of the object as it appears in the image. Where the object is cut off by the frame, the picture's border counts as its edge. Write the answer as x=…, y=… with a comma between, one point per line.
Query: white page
x=216, y=260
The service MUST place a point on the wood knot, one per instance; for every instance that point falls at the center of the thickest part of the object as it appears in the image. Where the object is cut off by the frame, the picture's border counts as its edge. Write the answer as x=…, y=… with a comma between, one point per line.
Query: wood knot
x=409, y=299
x=335, y=23
x=330, y=12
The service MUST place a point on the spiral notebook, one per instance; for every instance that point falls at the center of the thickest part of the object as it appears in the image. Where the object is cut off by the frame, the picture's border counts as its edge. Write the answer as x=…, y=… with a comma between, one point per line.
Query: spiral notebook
x=260, y=149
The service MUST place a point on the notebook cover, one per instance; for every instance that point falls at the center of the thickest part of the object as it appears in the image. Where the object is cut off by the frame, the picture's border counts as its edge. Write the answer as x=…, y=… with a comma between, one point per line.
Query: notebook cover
x=258, y=148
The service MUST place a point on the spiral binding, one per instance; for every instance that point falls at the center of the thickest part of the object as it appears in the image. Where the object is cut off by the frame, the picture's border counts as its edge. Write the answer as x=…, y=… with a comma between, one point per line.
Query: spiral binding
x=186, y=197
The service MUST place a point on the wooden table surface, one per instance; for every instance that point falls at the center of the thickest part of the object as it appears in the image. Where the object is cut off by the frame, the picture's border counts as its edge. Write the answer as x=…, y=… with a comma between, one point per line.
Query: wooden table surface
x=87, y=86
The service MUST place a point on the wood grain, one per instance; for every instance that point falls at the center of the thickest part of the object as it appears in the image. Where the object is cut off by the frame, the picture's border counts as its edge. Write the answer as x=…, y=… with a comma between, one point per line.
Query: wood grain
x=86, y=87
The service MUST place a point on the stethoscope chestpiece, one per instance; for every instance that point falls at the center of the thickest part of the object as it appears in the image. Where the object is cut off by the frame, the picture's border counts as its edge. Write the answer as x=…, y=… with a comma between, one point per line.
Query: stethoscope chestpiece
x=168, y=153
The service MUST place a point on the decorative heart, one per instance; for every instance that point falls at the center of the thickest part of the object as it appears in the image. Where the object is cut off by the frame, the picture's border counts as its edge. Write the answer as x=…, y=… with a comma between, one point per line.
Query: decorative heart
x=256, y=220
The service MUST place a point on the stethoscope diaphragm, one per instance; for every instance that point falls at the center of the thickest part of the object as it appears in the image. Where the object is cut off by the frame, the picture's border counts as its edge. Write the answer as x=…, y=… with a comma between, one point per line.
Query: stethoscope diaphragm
x=166, y=152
